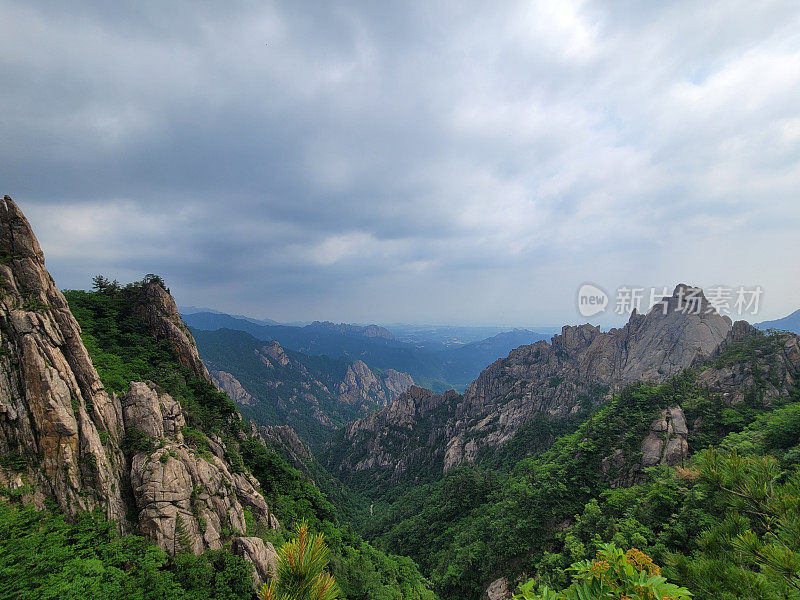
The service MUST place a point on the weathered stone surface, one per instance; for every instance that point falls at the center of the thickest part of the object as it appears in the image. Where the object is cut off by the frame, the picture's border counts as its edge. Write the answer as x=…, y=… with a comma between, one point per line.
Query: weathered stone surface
x=497, y=590
x=53, y=408
x=229, y=384
x=186, y=498
x=158, y=309
x=67, y=431
x=667, y=442
x=361, y=386
x=272, y=353
x=261, y=554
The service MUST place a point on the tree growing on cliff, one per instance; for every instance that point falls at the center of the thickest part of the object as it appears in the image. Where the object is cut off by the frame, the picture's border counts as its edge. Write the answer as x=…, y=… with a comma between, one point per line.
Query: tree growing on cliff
x=301, y=573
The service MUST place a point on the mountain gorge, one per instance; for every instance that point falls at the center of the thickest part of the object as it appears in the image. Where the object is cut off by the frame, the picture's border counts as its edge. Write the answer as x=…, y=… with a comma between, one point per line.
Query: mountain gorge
x=124, y=452
x=430, y=362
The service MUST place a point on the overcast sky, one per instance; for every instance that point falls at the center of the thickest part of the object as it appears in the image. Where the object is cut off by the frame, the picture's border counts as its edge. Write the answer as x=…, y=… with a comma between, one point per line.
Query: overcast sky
x=425, y=162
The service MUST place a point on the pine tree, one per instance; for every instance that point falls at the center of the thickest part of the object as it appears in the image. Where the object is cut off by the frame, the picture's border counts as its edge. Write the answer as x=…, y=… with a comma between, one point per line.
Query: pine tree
x=301, y=571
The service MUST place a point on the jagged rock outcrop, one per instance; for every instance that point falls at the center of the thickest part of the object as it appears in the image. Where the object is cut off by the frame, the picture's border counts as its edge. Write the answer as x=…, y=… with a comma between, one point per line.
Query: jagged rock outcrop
x=285, y=440
x=158, y=309
x=311, y=394
x=186, y=497
x=361, y=386
x=65, y=433
x=772, y=372
x=585, y=365
x=581, y=367
x=262, y=554
x=230, y=385
x=272, y=354
x=54, y=412
x=666, y=444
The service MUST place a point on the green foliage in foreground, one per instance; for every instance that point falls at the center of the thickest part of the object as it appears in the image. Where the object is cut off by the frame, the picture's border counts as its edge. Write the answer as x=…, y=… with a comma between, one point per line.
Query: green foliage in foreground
x=301, y=573
x=43, y=557
x=612, y=575
x=559, y=506
x=361, y=571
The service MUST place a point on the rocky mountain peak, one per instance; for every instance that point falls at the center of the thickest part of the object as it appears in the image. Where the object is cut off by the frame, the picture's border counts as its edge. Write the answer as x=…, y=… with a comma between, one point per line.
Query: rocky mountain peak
x=65, y=432
x=53, y=407
x=158, y=309
x=581, y=366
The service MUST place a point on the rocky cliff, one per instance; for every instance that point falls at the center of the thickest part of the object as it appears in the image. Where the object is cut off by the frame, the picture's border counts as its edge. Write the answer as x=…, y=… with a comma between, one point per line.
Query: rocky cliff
x=59, y=429
x=62, y=434
x=580, y=368
x=362, y=387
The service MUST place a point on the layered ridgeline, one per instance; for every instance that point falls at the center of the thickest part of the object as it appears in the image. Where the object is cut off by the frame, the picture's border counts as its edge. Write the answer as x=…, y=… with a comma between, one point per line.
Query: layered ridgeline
x=312, y=394
x=541, y=387
x=436, y=366
x=614, y=427
x=113, y=427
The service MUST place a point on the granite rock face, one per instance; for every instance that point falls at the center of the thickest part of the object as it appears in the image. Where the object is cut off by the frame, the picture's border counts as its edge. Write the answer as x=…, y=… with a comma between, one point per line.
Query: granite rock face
x=289, y=387
x=229, y=384
x=498, y=590
x=581, y=367
x=158, y=309
x=65, y=432
x=262, y=554
x=666, y=444
x=54, y=411
x=362, y=387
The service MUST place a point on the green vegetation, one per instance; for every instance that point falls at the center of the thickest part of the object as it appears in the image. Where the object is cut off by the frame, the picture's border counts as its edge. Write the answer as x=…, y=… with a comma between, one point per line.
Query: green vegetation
x=123, y=350
x=301, y=573
x=559, y=506
x=42, y=557
x=550, y=508
x=613, y=574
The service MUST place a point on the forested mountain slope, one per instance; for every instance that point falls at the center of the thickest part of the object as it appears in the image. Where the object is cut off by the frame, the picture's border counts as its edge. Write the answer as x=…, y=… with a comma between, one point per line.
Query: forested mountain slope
x=439, y=369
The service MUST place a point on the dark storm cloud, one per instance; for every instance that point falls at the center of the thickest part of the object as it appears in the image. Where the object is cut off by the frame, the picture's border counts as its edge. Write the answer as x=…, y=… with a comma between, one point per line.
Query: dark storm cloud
x=406, y=161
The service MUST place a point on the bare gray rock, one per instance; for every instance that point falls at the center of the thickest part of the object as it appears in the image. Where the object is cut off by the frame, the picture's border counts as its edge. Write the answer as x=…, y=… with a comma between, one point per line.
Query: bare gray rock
x=186, y=498
x=57, y=417
x=261, y=554
x=581, y=367
x=363, y=387
x=229, y=384
x=54, y=411
x=497, y=590
x=667, y=442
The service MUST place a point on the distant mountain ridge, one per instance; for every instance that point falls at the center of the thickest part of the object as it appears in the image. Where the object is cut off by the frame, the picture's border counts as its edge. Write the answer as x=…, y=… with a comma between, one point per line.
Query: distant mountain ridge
x=367, y=331
x=788, y=323
x=439, y=369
